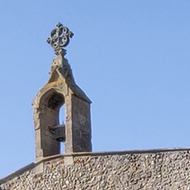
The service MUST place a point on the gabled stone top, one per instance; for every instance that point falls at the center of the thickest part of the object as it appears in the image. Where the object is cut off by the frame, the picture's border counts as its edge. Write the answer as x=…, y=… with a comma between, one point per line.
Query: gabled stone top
x=60, y=69
x=61, y=73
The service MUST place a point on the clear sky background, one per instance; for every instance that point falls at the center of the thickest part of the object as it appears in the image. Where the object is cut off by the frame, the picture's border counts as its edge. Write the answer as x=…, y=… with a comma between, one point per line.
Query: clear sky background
x=132, y=58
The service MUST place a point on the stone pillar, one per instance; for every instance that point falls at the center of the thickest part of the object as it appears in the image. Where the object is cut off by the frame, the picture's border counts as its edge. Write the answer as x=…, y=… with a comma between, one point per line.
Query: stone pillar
x=78, y=125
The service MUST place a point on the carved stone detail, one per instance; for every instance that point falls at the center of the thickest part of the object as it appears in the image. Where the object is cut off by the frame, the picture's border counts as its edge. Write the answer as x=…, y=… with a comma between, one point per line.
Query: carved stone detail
x=60, y=89
x=59, y=37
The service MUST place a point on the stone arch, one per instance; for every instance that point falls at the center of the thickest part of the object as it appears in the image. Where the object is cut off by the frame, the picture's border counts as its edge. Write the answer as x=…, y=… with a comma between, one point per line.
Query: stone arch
x=52, y=98
x=49, y=106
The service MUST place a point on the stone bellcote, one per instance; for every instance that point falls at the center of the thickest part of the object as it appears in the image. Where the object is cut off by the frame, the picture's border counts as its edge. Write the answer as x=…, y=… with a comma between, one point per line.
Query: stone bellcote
x=61, y=89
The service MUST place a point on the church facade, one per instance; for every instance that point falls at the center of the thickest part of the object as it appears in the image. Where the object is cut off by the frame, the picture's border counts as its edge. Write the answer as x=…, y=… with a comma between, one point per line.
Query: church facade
x=79, y=168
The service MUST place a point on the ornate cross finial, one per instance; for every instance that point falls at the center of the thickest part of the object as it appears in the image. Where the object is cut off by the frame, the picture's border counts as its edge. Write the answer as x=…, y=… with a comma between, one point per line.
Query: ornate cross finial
x=59, y=38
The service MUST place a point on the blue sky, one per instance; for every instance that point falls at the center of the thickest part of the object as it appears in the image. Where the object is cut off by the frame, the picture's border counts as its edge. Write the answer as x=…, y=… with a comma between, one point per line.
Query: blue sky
x=132, y=58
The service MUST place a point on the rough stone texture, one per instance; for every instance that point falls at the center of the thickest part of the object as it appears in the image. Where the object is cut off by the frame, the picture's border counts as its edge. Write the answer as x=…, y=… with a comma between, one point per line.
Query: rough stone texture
x=130, y=171
x=61, y=89
x=81, y=125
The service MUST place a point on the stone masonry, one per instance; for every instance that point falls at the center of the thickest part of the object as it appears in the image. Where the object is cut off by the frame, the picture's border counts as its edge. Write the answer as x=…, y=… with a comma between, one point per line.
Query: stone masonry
x=146, y=170
x=79, y=168
x=61, y=89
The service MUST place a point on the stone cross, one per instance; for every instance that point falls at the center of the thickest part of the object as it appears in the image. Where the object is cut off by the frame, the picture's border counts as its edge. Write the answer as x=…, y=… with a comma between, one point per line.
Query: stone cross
x=60, y=37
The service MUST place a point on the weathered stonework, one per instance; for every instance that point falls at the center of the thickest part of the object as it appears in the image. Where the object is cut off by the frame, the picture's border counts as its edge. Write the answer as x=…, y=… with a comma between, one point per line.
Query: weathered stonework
x=148, y=170
x=61, y=89
x=79, y=168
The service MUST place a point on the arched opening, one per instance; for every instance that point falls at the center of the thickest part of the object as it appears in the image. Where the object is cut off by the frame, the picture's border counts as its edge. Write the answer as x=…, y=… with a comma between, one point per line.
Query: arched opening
x=52, y=132
x=62, y=122
x=52, y=99
x=62, y=115
x=55, y=101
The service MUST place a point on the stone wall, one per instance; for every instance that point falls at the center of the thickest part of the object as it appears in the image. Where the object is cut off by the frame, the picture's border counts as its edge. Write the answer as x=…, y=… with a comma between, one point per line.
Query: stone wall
x=151, y=170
